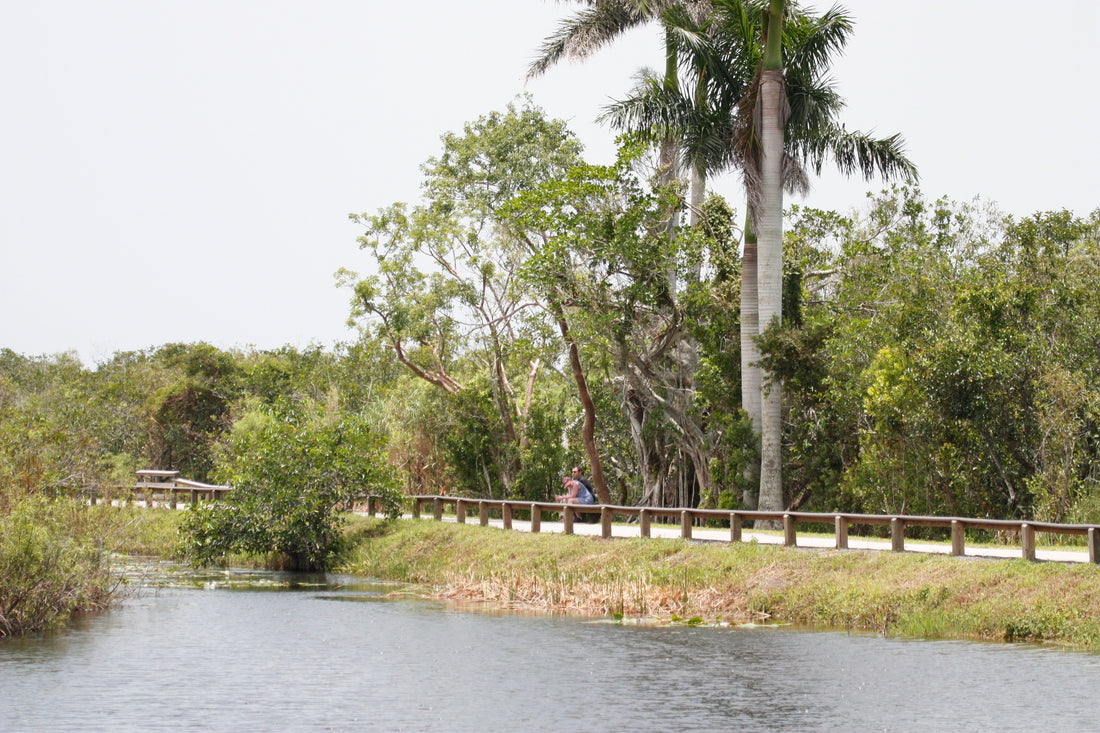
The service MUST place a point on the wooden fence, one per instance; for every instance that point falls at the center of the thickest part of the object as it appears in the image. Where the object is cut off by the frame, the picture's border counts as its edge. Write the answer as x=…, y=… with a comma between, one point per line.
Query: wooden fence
x=687, y=518
x=163, y=486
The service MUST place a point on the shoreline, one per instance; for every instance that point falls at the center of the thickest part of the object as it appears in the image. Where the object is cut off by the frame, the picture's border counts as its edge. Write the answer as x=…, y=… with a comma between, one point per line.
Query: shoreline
x=907, y=595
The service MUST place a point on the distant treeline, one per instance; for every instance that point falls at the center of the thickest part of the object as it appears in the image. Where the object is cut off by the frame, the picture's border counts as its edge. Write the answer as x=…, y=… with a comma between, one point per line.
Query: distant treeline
x=938, y=359
x=532, y=312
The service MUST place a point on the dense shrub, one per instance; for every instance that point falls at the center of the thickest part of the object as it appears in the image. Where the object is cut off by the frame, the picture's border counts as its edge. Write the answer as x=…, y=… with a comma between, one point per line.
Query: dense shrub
x=53, y=563
x=293, y=478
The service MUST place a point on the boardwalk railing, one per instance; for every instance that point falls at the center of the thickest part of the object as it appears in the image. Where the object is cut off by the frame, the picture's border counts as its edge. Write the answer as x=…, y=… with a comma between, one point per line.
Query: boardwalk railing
x=688, y=517
x=165, y=486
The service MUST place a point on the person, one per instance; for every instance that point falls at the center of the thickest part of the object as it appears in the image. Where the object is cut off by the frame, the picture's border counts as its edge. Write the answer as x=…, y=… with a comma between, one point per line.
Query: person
x=575, y=493
x=578, y=476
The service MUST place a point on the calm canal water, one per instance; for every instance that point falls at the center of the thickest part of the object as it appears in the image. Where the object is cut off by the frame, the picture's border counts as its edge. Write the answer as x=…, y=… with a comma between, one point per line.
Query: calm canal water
x=257, y=651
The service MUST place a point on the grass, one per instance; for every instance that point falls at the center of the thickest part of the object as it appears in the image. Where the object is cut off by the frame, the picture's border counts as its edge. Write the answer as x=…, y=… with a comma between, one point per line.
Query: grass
x=900, y=594
x=54, y=562
x=138, y=531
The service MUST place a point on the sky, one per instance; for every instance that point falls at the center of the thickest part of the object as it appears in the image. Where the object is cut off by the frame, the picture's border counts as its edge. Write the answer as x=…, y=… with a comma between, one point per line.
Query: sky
x=183, y=170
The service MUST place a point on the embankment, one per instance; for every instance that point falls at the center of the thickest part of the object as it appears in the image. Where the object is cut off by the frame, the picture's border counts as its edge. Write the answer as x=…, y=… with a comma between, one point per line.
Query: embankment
x=677, y=581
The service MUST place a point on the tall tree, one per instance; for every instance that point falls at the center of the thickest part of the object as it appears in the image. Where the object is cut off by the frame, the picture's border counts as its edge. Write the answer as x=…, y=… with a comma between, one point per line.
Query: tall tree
x=773, y=117
x=783, y=133
x=597, y=239
x=720, y=127
x=446, y=282
x=596, y=25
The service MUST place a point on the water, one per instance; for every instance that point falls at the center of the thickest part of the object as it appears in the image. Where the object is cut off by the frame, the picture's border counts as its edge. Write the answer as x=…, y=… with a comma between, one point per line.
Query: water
x=342, y=656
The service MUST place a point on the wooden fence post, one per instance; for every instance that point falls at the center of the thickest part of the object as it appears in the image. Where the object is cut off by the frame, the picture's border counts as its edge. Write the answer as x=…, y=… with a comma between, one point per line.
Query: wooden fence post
x=483, y=513
x=567, y=518
x=841, y=524
x=644, y=519
x=1094, y=545
x=605, y=522
x=437, y=509
x=789, y=537
x=1027, y=541
x=506, y=515
x=897, y=534
x=685, y=524
x=735, y=527
x=536, y=519
x=958, y=538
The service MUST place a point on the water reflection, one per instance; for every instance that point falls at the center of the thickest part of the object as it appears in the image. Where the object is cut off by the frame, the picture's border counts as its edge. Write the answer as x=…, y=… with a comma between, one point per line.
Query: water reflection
x=253, y=650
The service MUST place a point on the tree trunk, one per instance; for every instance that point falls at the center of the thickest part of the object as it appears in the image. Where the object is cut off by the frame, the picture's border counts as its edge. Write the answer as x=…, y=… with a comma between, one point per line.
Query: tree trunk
x=528, y=396
x=770, y=263
x=750, y=356
x=588, y=430
x=670, y=153
x=698, y=197
x=510, y=465
x=650, y=457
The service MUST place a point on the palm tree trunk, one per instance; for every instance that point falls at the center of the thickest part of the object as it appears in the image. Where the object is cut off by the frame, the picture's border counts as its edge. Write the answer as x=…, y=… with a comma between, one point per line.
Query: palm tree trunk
x=698, y=197
x=750, y=356
x=670, y=153
x=770, y=263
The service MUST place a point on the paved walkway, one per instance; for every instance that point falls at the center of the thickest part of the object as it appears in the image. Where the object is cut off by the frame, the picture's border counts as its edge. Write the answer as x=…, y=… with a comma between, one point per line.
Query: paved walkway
x=672, y=531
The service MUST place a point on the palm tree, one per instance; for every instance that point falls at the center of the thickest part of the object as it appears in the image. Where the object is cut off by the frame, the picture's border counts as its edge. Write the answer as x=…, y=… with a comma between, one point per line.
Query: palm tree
x=789, y=134
x=724, y=126
x=769, y=266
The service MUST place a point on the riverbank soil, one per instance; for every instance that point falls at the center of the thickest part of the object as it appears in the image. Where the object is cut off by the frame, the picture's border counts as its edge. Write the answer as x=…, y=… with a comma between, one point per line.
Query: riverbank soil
x=678, y=581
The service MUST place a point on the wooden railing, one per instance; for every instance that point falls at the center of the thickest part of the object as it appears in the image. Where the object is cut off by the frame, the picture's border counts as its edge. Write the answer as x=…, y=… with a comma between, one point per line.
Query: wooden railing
x=687, y=518
x=164, y=486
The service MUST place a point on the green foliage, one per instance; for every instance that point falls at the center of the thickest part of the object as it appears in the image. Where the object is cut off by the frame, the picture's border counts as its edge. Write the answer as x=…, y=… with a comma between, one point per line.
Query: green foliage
x=188, y=417
x=293, y=479
x=475, y=446
x=946, y=364
x=56, y=423
x=53, y=562
x=446, y=298
x=546, y=456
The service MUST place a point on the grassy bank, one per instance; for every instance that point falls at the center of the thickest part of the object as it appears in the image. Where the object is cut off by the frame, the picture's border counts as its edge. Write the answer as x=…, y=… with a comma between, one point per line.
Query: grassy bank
x=901, y=594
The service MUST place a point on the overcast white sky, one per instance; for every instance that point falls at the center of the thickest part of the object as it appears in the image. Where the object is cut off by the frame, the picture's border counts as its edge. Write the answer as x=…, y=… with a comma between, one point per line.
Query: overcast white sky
x=182, y=170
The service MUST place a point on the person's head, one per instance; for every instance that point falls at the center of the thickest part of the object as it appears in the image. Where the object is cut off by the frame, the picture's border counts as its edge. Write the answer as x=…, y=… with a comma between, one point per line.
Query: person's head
x=576, y=472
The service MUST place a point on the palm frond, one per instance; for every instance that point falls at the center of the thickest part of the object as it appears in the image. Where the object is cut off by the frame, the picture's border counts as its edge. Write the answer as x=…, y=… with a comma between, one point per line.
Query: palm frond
x=657, y=112
x=602, y=22
x=857, y=152
x=589, y=30
x=653, y=110
x=811, y=42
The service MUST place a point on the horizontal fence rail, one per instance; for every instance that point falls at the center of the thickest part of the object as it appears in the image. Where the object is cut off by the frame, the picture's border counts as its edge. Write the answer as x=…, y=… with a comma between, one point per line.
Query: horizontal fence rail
x=688, y=517
x=149, y=492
